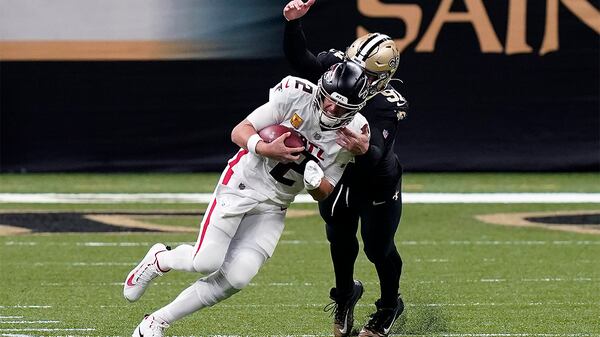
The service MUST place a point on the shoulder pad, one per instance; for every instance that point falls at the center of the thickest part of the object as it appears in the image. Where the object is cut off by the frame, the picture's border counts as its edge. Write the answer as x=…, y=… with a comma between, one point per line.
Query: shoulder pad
x=358, y=122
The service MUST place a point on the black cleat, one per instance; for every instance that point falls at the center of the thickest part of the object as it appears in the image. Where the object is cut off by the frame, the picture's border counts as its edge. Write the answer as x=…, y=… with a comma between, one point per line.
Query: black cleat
x=343, y=310
x=381, y=322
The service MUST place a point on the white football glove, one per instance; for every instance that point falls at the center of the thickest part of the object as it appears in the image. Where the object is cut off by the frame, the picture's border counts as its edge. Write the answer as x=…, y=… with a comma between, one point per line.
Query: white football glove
x=312, y=175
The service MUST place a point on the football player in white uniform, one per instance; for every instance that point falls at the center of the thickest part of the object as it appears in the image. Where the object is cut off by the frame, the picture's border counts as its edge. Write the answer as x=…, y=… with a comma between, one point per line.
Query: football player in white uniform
x=245, y=219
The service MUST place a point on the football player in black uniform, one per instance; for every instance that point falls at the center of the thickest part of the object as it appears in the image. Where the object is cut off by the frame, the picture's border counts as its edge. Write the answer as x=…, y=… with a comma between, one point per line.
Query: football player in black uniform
x=369, y=189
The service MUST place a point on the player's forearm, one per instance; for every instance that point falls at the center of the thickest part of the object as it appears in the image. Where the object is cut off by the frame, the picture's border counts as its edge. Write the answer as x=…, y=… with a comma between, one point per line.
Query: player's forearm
x=242, y=132
x=296, y=51
x=378, y=145
x=370, y=158
x=322, y=192
x=293, y=38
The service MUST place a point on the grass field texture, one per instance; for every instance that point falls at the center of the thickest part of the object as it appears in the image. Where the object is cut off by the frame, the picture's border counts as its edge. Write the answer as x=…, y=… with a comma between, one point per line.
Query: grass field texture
x=205, y=182
x=461, y=277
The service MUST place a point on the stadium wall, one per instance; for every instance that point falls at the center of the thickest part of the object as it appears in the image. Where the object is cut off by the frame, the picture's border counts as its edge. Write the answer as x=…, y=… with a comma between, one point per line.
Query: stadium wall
x=493, y=85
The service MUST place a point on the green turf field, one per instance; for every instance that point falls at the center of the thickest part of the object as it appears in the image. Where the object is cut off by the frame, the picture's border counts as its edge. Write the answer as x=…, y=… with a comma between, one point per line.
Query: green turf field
x=461, y=277
x=205, y=182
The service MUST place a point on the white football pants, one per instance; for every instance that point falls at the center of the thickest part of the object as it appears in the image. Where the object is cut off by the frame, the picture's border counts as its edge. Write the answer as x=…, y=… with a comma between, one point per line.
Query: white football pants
x=237, y=236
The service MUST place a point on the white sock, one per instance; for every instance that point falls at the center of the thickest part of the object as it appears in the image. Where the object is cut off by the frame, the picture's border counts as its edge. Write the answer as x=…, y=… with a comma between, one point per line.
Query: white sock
x=181, y=258
x=203, y=293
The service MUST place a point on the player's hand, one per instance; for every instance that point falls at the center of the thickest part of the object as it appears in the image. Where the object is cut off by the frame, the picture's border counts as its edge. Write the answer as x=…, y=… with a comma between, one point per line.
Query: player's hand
x=277, y=149
x=356, y=143
x=296, y=9
x=313, y=174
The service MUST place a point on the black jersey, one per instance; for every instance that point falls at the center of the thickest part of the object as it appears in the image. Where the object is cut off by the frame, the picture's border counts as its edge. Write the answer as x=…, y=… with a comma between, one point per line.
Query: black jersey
x=379, y=166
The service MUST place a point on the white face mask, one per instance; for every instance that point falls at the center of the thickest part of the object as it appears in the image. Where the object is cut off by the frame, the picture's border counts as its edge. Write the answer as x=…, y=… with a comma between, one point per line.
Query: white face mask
x=329, y=122
x=332, y=123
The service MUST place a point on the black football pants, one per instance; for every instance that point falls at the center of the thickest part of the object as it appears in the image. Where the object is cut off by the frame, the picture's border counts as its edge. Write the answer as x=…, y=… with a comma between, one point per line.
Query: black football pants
x=380, y=216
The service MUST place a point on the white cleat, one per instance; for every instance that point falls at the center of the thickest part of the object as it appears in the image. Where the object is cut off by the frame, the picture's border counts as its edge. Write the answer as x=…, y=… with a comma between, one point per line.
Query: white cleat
x=138, y=279
x=150, y=327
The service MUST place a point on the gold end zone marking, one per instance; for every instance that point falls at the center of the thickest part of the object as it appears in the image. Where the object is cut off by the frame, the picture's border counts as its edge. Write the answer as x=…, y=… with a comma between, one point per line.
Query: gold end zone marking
x=131, y=222
x=519, y=220
x=134, y=220
x=12, y=230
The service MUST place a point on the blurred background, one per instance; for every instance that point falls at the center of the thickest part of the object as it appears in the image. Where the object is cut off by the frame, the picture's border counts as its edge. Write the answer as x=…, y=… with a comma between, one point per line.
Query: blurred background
x=500, y=90
x=156, y=86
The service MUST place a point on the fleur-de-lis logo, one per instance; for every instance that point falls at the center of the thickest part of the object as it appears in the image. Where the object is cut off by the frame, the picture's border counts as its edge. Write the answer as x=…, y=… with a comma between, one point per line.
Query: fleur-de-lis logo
x=394, y=62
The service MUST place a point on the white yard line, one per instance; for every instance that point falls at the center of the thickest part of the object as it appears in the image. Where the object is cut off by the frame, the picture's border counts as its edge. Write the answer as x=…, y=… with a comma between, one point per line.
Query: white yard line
x=391, y=335
x=96, y=244
x=427, y=198
x=87, y=264
x=29, y=322
x=285, y=284
x=369, y=305
x=508, y=335
x=48, y=329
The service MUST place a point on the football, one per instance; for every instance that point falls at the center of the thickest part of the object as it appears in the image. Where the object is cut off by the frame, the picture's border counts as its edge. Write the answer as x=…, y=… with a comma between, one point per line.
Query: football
x=271, y=132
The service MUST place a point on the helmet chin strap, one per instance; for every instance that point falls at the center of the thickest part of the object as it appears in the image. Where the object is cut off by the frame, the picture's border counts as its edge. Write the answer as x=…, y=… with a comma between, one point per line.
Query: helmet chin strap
x=371, y=95
x=323, y=119
x=324, y=128
x=338, y=122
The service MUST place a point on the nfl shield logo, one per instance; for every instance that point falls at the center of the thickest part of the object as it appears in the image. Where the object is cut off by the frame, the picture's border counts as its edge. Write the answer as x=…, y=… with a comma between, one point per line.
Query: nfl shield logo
x=385, y=133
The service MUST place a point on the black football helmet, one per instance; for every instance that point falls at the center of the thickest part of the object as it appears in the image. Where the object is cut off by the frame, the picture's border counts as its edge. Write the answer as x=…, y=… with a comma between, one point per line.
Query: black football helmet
x=346, y=85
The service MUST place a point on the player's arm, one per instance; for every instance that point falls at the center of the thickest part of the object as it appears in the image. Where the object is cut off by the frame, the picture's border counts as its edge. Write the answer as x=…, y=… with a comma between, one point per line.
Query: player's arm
x=356, y=143
x=245, y=136
x=383, y=132
x=295, y=48
x=319, y=184
x=384, y=129
x=322, y=192
x=315, y=183
x=296, y=9
x=375, y=150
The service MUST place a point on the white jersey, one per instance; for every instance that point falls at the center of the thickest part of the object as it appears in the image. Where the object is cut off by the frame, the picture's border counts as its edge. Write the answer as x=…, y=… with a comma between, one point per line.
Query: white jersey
x=291, y=104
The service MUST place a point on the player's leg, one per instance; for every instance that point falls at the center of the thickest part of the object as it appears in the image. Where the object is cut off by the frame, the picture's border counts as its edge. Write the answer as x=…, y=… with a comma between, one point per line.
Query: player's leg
x=210, y=254
x=251, y=246
x=341, y=226
x=378, y=227
x=180, y=258
x=217, y=228
x=238, y=269
x=379, y=222
x=225, y=203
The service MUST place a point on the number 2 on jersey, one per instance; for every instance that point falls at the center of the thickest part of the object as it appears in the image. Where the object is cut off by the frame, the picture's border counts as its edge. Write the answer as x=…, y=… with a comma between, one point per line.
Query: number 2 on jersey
x=279, y=171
